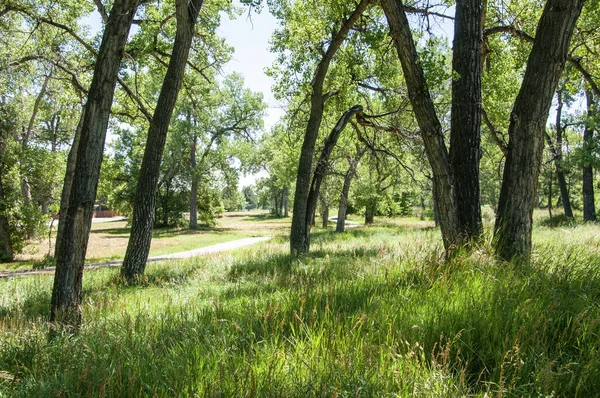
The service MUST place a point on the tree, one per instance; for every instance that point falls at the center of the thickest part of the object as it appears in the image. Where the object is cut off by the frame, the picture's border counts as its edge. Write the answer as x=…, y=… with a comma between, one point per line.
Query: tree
x=144, y=206
x=513, y=229
x=589, y=208
x=70, y=256
x=301, y=219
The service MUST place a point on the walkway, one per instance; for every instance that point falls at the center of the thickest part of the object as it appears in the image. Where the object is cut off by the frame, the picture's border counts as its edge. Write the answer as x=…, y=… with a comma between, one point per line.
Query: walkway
x=220, y=247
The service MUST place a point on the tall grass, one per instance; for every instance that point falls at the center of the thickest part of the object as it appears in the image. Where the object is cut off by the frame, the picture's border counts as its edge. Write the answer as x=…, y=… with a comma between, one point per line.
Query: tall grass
x=370, y=312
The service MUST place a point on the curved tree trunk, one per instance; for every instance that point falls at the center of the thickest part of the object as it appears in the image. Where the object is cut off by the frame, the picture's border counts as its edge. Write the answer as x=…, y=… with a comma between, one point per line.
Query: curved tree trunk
x=144, y=205
x=589, y=206
x=323, y=164
x=299, y=238
x=324, y=212
x=431, y=129
x=465, y=122
x=341, y=217
x=512, y=236
x=66, y=292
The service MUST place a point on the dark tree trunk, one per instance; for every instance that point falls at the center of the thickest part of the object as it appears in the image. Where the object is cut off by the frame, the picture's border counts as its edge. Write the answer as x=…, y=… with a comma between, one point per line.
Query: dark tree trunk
x=324, y=212
x=526, y=130
x=276, y=206
x=323, y=164
x=341, y=217
x=589, y=206
x=550, y=194
x=144, y=205
x=558, y=157
x=370, y=212
x=66, y=292
x=194, y=188
x=465, y=131
x=67, y=184
x=299, y=239
x=431, y=129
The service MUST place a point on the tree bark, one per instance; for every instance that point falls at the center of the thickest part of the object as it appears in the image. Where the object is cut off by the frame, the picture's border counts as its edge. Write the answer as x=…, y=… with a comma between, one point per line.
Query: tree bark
x=134, y=263
x=465, y=122
x=512, y=236
x=323, y=164
x=370, y=212
x=431, y=129
x=67, y=184
x=589, y=206
x=299, y=240
x=6, y=247
x=66, y=292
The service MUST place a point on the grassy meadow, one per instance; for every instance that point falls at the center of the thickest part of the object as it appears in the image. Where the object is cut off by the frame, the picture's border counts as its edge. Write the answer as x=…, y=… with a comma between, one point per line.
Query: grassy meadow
x=374, y=311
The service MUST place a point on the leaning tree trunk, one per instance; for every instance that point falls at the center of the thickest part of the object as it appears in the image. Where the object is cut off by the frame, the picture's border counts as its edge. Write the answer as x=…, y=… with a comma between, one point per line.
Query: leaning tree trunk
x=341, y=217
x=6, y=247
x=465, y=122
x=299, y=238
x=431, y=129
x=589, y=207
x=67, y=184
x=144, y=204
x=66, y=292
x=323, y=164
x=512, y=235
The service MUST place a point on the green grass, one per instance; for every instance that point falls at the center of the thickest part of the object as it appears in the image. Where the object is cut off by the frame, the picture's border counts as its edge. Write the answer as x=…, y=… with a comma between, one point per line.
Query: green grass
x=371, y=312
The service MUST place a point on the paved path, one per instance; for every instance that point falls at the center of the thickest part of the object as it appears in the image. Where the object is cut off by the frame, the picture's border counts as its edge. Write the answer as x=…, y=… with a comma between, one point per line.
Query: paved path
x=220, y=247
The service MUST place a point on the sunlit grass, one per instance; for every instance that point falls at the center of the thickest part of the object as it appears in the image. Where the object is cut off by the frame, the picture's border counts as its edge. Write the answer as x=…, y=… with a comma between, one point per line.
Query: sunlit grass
x=371, y=312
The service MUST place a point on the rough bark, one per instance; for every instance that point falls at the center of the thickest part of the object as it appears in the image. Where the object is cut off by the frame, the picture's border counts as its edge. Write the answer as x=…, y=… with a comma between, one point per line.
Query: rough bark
x=66, y=292
x=465, y=122
x=431, y=129
x=299, y=240
x=589, y=206
x=323, y=164
x=370, y=212
x=144, y=205
x=512, y=236
x=6, y=247
x=67, y=184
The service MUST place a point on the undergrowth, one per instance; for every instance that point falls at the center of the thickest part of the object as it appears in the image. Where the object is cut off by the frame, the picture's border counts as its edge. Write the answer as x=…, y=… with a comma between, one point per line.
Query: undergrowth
x=370, y=312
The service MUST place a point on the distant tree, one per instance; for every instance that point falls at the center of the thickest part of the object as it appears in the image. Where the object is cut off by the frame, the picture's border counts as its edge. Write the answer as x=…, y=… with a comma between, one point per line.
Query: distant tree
x=250, y=197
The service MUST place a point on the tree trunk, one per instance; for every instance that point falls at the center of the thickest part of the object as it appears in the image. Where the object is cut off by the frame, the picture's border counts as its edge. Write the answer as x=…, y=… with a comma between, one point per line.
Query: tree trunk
x=526, y=130
x=370, y=211
x=558, y=155
x=6, y=247
x=341, y=217
x=465, y=131
x=66, y=292
x=144, y=205
x=323, y=164
x=194, y=188
x=589, y=206
x=67, y=184
x=324, y=212
x=299, y=239
x=431, y=129
x=550, y=194
x=286, y=202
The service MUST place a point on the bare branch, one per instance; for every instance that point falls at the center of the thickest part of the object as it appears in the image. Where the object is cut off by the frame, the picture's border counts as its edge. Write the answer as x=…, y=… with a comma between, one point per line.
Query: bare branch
x=496, y=136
